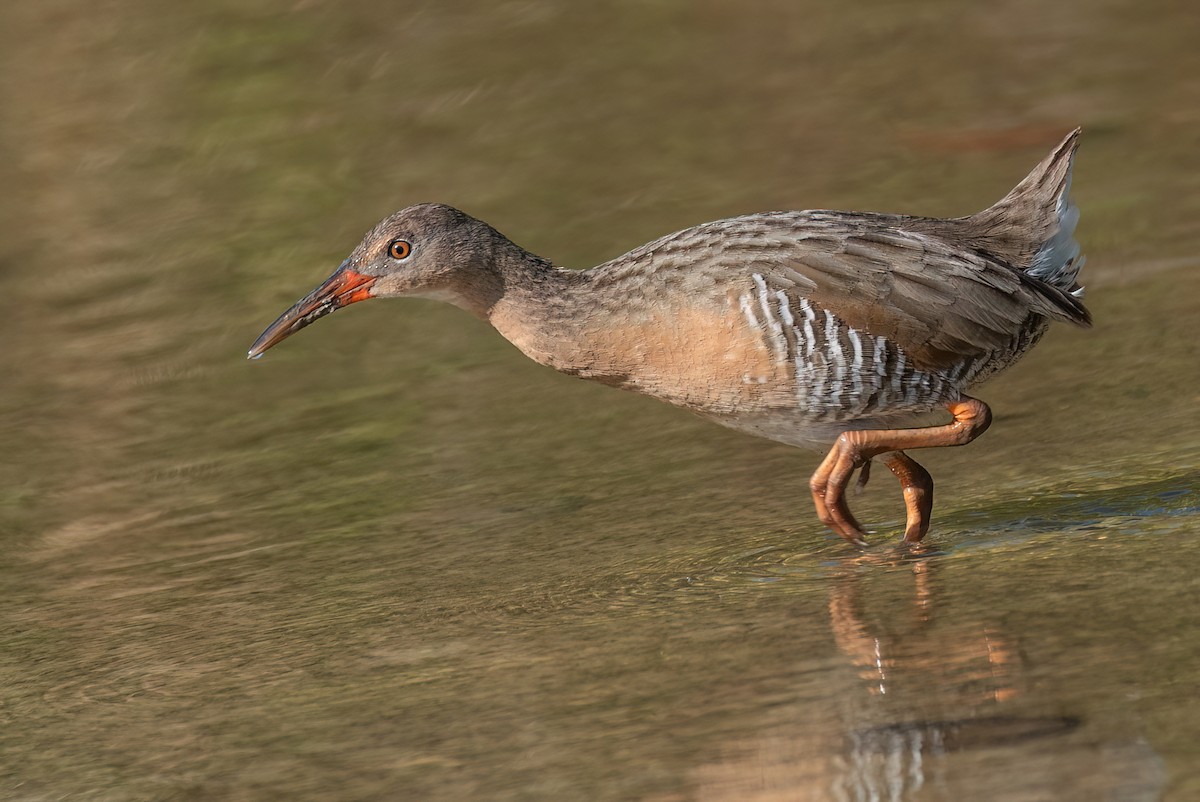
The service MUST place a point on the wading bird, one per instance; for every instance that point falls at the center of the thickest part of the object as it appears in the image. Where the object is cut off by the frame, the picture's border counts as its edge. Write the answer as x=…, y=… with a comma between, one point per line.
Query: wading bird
x=819, y=329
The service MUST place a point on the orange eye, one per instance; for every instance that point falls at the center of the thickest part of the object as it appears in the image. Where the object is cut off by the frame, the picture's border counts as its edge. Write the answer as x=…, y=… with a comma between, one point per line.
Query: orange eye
x=399, y=249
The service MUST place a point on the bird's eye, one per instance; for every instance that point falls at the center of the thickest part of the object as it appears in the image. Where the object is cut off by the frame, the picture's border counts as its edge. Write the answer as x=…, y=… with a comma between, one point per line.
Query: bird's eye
x=399, y=249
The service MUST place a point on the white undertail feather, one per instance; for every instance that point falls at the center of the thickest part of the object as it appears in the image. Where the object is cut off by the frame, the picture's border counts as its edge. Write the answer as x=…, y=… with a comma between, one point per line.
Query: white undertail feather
x=1033, y=227
x=1058, y=261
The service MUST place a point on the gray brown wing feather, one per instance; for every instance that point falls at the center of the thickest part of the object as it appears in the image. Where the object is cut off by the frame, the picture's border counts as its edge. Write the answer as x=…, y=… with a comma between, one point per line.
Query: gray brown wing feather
x=940, y=304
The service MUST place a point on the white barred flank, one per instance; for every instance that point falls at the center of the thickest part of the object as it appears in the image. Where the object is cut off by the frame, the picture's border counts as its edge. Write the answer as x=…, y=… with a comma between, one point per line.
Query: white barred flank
x=800, y=367
x=778, y=341
x=810, y=340
x=834, y=354
x=880, y=358
x=857, y=365
x=840, y=372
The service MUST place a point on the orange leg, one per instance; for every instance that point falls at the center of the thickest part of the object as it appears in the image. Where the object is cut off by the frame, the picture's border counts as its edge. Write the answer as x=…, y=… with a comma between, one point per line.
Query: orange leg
x=918, y=493
x=854, y=449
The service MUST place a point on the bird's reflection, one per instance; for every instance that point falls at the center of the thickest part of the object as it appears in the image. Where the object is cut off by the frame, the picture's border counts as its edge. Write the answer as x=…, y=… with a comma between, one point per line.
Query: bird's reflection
x=927, y=689
x=977, y=663
x=933, y=709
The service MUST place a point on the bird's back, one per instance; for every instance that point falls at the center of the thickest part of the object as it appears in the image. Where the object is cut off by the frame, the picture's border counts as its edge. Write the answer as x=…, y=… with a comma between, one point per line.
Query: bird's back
x=838, y=318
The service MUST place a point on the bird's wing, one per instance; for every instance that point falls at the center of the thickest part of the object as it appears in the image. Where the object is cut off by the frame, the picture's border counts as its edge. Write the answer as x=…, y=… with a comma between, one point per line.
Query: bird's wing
x=939, y=303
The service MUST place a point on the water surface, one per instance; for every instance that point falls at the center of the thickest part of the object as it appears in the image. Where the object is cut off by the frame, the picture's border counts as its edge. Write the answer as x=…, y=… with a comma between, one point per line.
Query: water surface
x=396, y=560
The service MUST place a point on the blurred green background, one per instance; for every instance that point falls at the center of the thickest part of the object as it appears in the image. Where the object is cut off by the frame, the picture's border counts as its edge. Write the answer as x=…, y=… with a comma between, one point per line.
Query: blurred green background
x=396, y=560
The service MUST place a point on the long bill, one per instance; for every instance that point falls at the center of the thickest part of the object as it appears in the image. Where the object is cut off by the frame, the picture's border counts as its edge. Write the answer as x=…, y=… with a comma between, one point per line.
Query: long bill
x=344, y=287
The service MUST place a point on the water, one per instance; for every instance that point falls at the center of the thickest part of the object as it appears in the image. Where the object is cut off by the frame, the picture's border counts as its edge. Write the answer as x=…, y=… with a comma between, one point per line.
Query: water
x=395, y=560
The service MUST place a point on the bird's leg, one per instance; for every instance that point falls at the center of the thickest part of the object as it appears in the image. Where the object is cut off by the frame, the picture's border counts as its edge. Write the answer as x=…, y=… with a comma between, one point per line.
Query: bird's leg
x=854, y=448
x=918, y=492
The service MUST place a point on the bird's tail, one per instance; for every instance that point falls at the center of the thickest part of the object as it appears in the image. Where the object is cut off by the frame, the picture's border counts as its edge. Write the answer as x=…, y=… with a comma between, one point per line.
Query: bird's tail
x=1033, y=227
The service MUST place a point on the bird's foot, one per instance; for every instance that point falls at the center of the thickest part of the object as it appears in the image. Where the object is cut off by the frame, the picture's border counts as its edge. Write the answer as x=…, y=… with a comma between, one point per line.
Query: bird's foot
x=829, y=484
x=831, y=479
x=918, y=493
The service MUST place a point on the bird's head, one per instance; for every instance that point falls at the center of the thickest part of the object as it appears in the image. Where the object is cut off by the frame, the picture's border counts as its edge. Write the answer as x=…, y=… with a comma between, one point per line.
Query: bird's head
x=430, y=251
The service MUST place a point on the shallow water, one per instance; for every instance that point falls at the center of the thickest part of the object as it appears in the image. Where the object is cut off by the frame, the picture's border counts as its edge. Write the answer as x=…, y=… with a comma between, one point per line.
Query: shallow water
x=395, y=560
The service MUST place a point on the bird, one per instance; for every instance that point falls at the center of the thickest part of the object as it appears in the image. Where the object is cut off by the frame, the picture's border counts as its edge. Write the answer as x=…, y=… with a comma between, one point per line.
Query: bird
x=834, y=331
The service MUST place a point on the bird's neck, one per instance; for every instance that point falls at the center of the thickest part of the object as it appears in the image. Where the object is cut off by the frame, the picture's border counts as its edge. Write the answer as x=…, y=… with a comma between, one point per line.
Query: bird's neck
x=532, y=303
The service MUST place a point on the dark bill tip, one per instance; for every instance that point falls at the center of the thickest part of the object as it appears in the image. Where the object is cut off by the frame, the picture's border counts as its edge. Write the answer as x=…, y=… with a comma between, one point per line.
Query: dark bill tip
x=344, y=287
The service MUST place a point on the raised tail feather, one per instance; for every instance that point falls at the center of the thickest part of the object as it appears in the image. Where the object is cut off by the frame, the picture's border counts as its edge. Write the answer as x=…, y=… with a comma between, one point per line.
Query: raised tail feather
x=1032, y=228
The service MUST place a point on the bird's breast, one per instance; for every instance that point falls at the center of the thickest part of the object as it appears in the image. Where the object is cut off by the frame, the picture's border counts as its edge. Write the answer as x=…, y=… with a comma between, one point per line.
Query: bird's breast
x=702, y=357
